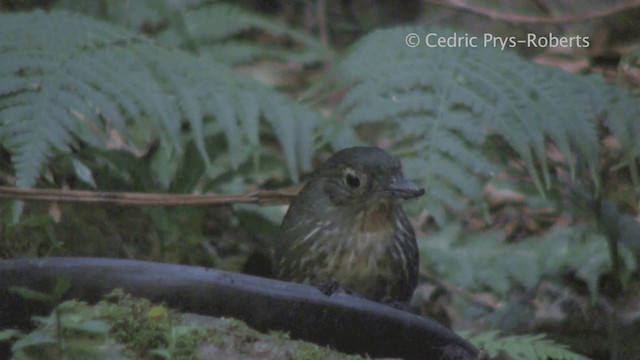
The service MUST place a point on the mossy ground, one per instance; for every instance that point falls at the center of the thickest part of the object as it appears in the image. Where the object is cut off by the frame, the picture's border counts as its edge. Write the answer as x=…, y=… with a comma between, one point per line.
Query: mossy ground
x=123, y=327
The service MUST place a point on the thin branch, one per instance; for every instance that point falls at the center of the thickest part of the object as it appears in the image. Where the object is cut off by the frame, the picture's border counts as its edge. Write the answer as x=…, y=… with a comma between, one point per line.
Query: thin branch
x=515, y=18
x=460, y=291
x=322, y=23
x=145, y=199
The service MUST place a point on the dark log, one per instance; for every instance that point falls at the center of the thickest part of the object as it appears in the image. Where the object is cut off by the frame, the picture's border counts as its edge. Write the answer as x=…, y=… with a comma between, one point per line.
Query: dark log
x=346, y=323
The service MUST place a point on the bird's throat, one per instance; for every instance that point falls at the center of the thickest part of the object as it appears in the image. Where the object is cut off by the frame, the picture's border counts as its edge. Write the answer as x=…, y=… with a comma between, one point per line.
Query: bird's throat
x=376, y=217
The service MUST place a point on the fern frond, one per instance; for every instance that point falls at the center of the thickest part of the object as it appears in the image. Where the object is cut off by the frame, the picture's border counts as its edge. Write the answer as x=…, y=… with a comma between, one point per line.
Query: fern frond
x=67, y=79
x=523, y=347
x=447, y=99
x=624, y=122
x=463, y=261
x=214, y=26
x=211, y=28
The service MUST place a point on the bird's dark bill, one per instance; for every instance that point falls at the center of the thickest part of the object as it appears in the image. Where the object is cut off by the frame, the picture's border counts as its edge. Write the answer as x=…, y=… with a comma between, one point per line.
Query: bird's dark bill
x=405, y=189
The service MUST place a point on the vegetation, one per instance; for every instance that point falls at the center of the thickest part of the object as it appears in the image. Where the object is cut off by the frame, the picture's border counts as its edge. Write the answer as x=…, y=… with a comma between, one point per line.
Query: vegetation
x=529, y=226
x=123, y=327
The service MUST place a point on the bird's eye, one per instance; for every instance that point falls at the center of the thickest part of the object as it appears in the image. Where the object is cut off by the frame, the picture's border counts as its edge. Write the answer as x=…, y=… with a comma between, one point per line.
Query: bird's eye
x=352, y=180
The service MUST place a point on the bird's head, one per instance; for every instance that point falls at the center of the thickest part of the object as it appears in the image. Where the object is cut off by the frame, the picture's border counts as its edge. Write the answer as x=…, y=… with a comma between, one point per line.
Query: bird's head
x=364, y=176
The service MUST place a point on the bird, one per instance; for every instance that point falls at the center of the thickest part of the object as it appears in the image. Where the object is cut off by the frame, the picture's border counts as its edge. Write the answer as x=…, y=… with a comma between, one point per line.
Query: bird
x=346, y=229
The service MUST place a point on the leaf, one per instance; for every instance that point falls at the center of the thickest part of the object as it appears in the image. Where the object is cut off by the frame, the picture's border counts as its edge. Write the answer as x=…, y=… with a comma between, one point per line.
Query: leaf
x=523, y=347
x=94, y=327
x=34, y=339
x=83, y=173
x=442, y=103
x=31, y=294
x=92, y=80
x=62, y=285
x=215, y=25
x=483, y=261
x=8, y=334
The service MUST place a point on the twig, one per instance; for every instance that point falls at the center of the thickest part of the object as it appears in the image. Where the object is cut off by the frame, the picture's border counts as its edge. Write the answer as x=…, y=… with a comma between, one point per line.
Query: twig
x=515, y=18
x=128, y=198
x=460, y=291
x=322, y=23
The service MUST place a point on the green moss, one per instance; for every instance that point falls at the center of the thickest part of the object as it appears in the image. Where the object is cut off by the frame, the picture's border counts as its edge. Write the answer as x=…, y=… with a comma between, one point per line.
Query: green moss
x=73, y=331
x=120, y=326
x=241, y=330
x=310, y=352
x=279, y=336
x=124, y=327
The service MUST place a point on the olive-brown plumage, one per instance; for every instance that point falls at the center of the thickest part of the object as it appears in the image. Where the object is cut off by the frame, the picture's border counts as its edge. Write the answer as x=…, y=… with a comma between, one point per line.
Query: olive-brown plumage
x=347, y=227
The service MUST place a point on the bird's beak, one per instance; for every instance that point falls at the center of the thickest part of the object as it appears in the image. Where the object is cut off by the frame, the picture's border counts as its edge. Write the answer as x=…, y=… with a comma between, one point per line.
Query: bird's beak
x=404, y=188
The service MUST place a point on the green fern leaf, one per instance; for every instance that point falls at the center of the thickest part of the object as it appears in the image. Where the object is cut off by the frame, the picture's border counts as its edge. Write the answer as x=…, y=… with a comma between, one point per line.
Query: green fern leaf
x=446, y=100
x=523, y=347
x=93, y=79
x=471, y=263
x=211, y=28
x=218, y=22
x=624, y=122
